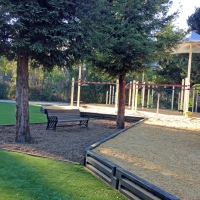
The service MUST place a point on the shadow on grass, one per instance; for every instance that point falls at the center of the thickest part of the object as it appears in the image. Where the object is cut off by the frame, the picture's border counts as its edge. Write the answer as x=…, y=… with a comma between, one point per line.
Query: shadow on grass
x=28, y=177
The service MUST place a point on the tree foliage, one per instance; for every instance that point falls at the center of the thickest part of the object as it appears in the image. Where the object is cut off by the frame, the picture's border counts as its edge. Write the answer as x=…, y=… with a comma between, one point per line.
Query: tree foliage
x=128, y=36
x=46, y=30
x=174, y=69
x=6, y=66
x=194, y=21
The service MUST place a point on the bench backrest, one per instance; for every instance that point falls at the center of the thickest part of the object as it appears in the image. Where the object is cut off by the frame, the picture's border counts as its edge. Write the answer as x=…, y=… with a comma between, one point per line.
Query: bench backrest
x=63, y=113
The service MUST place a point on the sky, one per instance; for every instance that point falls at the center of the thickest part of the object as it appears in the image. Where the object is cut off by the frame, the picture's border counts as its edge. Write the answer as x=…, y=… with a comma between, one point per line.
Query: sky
x=188, y=8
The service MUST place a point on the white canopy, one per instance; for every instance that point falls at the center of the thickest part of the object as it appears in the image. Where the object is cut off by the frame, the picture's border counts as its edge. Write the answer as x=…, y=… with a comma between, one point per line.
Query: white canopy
x=191, y=44
x=193, y=39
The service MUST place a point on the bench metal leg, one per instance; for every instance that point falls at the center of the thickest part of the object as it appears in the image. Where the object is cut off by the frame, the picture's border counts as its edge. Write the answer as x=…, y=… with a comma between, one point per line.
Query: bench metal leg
x=84, y=122
x=52, y=122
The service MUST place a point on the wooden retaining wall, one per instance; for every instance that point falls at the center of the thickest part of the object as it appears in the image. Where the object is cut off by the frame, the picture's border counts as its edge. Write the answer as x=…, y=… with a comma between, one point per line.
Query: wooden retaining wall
x=127, y=183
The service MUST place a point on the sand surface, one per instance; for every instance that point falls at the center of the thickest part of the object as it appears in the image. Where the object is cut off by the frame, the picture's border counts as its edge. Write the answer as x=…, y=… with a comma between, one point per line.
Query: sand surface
x=164, y=149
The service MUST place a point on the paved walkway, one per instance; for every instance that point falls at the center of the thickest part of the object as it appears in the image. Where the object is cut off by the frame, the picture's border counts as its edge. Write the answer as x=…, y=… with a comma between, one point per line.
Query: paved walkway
x=111, y=108
x=128, y=111
x=39, y=102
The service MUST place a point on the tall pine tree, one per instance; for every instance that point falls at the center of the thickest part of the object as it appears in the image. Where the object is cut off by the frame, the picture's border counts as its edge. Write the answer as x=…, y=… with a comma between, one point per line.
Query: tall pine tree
x=44, y=32
x=130, y=34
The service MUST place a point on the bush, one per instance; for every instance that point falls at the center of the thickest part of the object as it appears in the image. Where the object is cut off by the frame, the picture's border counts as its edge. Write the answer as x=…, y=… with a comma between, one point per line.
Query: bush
x=7, y=90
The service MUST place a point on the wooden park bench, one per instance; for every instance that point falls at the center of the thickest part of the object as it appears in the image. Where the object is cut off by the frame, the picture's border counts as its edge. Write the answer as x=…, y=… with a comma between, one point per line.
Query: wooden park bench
x=55, y=116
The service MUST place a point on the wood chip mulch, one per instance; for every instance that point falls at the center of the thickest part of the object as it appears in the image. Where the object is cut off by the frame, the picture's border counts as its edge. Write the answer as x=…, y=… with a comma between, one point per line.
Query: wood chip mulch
x=66, y=143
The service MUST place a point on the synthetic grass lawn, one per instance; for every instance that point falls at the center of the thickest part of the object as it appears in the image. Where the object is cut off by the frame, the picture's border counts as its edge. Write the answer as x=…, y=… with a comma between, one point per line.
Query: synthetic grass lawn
x=7, y=114
x=28, y=177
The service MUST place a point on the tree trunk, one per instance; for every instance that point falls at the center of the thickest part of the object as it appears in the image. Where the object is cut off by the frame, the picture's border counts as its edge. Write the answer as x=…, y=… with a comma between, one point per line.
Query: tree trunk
x=22, y=110
x=121, y=102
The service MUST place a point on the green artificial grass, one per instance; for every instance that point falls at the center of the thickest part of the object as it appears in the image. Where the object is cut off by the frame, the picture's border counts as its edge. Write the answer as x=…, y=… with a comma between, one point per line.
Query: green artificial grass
x=7, y=114
x=28, y=177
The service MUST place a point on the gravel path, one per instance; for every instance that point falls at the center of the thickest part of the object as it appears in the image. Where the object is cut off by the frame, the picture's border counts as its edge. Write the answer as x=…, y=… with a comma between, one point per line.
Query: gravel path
x=164, y=150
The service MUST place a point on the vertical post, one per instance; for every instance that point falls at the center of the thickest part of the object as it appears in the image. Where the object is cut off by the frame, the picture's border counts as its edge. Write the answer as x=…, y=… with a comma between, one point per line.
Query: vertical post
x=136, y=96
x=106, y=97
x=179, y=98
x=110, y=94
x=129, y=96
x=193, y=99
x=72, y=92
x=133, y=95
x=148, y=95
x=79, y=85
x=172, y=105
x=186, y=96
x=152, y=93
x=196, y=106
x=158, y=102
x=196, y=102
x=117, y=95
x=113, y=94
x=182, y=93
x=143, y=94
x=189, y=64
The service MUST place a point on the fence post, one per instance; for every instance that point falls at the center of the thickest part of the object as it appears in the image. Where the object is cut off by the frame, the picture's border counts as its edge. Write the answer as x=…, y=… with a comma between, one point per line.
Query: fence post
x=133, y=95
x=136, y=96
x=113, y=94
x=72, y=93
x=172, y=105
x=182, y=93
x=148, y=95
x=106, y=97
x=152, y=93
x=79, y=85
x=186, y=96
x=110, y=94
x=196, y=106
x=193, y=99
x=116, y=96
x=143, y=94
x=129, y=97
x=158, y=102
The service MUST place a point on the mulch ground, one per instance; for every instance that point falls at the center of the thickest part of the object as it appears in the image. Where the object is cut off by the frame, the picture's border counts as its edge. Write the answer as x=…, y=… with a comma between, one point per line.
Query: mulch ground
x=66, y=143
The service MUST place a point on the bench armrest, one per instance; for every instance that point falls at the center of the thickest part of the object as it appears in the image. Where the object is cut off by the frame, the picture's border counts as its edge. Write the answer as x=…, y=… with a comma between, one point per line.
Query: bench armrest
x=42, y=110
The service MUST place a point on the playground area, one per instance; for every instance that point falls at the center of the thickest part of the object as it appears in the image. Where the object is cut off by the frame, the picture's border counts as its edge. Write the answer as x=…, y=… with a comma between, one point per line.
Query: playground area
x=168, y=158
x=163, y=117
x=145, y=96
